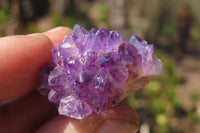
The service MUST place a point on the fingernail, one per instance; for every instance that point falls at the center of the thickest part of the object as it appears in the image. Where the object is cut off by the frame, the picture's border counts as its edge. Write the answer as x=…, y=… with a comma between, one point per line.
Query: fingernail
x=117, y=126
x=60, y=28
x=33, y=34
x=54, y=29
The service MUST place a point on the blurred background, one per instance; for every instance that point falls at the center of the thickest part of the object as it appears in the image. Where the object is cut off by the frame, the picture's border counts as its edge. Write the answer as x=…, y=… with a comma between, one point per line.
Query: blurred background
x=170, y=103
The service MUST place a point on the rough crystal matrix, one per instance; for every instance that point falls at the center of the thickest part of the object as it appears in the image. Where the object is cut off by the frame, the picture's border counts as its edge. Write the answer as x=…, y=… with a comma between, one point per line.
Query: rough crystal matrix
x=95, y=69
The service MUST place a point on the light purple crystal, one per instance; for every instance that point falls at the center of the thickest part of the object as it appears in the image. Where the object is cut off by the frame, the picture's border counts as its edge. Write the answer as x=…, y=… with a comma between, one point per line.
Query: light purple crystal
x=93, y=70
x=74, y=107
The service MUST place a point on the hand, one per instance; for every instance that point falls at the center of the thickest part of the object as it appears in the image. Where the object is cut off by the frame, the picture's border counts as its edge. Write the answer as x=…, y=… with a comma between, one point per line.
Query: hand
x=23, y=110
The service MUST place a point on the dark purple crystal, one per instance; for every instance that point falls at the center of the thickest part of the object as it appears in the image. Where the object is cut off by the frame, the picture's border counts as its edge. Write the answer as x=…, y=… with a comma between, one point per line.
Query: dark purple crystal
x=96, y=69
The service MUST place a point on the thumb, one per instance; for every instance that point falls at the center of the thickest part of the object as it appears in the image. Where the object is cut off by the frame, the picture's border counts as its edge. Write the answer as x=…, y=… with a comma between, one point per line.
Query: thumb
x=119, y=119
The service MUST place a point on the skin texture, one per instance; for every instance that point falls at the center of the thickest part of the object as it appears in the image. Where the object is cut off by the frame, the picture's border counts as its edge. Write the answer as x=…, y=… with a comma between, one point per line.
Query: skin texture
x=23, y=110
x=21, y=58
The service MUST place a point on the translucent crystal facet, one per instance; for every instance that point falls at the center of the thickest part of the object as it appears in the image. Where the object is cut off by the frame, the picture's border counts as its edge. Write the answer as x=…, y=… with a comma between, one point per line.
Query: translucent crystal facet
x=93, y=70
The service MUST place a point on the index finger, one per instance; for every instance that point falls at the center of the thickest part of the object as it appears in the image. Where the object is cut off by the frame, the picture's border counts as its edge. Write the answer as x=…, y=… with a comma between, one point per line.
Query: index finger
x=21, y=58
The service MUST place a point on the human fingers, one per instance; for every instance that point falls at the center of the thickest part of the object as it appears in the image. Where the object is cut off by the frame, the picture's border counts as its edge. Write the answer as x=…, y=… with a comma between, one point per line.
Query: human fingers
x=56, y=35
x=119, y=119
x=21, y=58
x=26, y=114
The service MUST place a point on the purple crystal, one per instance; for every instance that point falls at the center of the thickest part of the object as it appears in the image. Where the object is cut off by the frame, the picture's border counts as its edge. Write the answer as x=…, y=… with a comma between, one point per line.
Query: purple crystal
x=74, y=107
x=56, y=96
x=98, y=82
x=114, y=41
x=117, y=76
x=96, y=69
x=106, y=60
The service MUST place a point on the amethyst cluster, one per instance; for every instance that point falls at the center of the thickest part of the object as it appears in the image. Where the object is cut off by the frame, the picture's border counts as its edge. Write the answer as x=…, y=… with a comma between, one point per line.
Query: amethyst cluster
x=96, y=69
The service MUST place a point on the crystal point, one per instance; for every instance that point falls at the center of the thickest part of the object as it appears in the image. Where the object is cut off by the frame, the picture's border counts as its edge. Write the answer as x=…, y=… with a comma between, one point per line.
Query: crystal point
x=74, y=107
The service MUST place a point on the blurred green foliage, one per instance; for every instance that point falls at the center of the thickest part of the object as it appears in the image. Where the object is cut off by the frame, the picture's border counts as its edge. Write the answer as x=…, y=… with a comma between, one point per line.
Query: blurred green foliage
x=168, y=28
x=5, y=16
x=32, y=28
x=104, y=10
x=195, y=32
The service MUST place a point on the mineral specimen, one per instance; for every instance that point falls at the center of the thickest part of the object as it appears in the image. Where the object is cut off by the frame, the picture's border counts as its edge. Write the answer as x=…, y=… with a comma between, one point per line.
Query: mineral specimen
x=96, y=69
